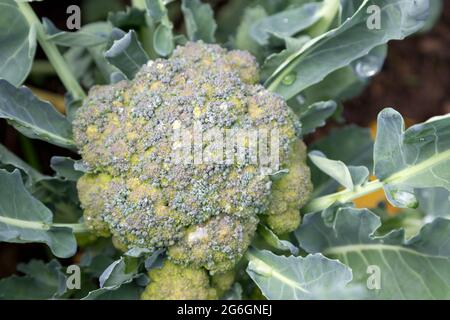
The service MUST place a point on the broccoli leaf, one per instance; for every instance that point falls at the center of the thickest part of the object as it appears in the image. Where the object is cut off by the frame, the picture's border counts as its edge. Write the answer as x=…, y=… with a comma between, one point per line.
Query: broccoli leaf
x=92, y=35
x=132, y=18
x=33, y=117
x=156, y=10
x=297, y=278
x=315, y=115
x=418, y=157
x=128, y=291
x=349, y=42
x=65, y=168
x=24, y=219
x=199, y=20
x=127, y=54
x=273, y=61
x=351, y=144
x=118, y=274
x=273, y=240
x=434, y=202
x=414, y=269
x=7, y=158
x=88, y=64
x=59, y=195
x=163, y=40
x=18, y=41
x=349, y=177
x=41, y=281
x=244, y=40
x=436, y=7
x=344, y=83
x=286, y=23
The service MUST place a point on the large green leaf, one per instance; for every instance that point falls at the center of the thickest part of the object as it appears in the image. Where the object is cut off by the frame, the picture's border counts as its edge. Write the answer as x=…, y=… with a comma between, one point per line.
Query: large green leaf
x=127, y=54
x=18, y=41
x=344, y=83
x=25, y=219
x=41, y=281
x=297, y=278
x=414, y=269
x=33, y=117
x=199, y=20
x=418, y=157
x=433, y=202
x=349, y=42
x=7, y=158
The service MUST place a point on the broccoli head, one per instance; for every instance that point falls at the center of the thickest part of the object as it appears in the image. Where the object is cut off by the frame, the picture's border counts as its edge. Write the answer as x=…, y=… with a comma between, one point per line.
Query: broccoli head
x=203, y=212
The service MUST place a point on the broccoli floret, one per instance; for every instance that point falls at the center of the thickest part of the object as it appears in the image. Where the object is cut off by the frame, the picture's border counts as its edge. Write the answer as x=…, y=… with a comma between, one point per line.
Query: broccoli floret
x=90, y=191
x=174, y=282
x=290, y=192
x=223, y=282
x=217, y=244
x=205, y=214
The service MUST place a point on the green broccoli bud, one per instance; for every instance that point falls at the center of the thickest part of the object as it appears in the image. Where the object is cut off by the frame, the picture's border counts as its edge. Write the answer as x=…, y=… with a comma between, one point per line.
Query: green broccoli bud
x=174, y=282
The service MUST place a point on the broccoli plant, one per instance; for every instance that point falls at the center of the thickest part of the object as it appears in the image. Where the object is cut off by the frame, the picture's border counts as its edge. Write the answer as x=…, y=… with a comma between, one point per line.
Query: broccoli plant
x=144, y=217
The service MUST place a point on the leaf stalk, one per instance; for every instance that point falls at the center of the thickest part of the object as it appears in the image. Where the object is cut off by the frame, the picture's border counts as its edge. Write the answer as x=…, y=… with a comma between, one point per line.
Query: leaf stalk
x=39, y=225
x=52, y=53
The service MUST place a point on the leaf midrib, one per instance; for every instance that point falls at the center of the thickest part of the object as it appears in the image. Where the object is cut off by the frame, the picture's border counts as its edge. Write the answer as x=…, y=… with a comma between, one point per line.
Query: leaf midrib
x=414, y=169
x=358, y=248
x=275, y=274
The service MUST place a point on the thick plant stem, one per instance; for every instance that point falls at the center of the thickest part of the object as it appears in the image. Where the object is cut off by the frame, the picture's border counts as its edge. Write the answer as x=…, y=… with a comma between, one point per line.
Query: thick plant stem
x=324, y=202
x=52, y=53
x=37, y=225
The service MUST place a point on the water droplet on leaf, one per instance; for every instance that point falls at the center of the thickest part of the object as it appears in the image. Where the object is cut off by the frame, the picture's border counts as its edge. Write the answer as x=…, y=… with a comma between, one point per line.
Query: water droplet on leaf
x=405, y=199
x=368, y=66
x=289, y=79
